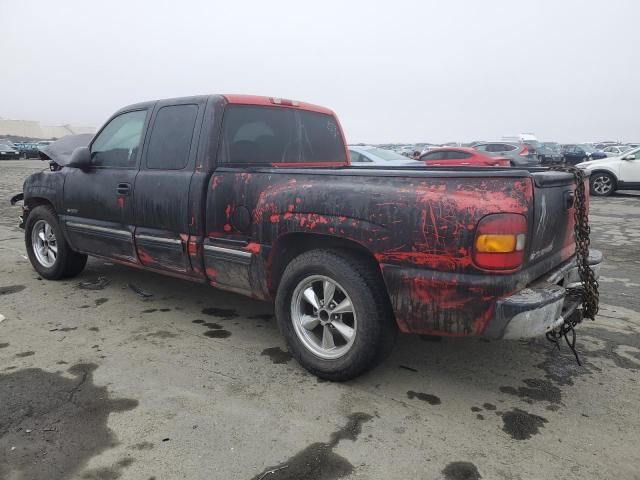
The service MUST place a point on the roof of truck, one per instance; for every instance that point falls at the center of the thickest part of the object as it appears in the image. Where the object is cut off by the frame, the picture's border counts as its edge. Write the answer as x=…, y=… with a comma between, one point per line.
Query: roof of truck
x=240, y=100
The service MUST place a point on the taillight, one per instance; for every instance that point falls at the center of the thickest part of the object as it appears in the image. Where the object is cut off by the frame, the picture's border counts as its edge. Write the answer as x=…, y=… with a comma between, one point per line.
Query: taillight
x=525, y=150
x=500, y=241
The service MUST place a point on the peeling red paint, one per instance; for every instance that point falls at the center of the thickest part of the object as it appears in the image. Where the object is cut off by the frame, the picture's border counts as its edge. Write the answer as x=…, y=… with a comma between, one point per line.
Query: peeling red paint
x=227, y=227
x=121, y=202
x=145, y=257
x=253, y=247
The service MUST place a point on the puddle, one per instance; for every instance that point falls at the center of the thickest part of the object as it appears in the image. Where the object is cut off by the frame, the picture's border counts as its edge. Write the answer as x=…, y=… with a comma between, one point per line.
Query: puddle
x=11, y=289
x=277, y=355
x=425, y=397
x=461, y=471
x=521, y=425
x=67, y=418
x=318, y=461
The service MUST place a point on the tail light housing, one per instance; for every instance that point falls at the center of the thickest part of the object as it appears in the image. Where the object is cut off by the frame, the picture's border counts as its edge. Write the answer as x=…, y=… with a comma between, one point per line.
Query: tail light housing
x=500, y=241
x=525, y=150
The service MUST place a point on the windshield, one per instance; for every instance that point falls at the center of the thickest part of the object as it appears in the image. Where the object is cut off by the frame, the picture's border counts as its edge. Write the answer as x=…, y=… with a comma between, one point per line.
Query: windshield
x=383, y=154
x=587, y=148
x=4, y=146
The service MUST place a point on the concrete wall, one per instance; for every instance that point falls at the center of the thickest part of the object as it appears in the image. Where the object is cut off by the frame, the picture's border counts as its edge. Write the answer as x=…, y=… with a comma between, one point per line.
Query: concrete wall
x=33, y=129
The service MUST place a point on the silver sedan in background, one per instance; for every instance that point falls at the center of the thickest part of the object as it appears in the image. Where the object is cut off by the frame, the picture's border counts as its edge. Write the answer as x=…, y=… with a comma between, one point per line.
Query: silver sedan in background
x=368, y=156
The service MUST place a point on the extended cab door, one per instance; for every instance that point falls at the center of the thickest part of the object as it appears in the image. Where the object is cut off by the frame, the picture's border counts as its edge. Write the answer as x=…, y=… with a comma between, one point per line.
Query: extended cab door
x=161, y=196
x=98, y=211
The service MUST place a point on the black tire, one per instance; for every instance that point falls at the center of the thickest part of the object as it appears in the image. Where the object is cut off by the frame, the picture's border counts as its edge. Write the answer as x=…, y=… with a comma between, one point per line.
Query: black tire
x=67, y=262
x=598, y=183
x=376, y=329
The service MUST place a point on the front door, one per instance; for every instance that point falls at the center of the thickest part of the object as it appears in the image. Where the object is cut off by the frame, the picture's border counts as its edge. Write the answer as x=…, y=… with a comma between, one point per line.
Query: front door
x=630, y=168
x=97, y=200
x=161, y=199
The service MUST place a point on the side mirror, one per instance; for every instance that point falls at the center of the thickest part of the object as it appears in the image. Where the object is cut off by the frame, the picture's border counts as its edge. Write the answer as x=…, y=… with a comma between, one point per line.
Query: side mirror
x=631, y=156
x=80, y=158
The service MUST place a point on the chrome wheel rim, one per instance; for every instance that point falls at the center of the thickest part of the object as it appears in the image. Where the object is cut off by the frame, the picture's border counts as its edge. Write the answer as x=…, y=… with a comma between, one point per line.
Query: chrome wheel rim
x=323, y=317
x=45, y=246
x=602, y=184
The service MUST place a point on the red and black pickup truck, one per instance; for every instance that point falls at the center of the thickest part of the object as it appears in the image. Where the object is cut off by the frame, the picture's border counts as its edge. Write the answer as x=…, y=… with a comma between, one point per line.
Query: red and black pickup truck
x=255, y=195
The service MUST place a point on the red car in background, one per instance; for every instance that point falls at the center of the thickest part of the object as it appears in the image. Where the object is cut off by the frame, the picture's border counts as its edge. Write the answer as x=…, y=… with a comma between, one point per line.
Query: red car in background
x=461, y=156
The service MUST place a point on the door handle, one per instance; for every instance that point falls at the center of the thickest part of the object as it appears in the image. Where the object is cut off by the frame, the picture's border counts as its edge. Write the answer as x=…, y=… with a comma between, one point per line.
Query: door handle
x=123, y=188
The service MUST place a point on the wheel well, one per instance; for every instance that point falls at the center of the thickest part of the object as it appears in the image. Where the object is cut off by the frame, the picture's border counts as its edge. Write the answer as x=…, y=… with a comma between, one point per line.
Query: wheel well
x=34, y=202
x=289, y=246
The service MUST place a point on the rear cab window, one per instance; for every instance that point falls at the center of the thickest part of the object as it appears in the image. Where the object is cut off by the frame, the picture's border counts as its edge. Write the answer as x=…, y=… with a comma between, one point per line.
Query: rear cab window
x=280, y=136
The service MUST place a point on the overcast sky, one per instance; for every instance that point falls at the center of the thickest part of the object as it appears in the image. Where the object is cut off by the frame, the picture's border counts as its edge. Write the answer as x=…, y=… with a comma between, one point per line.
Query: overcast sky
x=400, y=71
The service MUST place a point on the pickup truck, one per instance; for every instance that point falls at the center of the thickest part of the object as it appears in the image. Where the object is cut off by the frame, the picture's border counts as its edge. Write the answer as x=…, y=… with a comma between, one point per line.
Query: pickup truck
x=255, y=195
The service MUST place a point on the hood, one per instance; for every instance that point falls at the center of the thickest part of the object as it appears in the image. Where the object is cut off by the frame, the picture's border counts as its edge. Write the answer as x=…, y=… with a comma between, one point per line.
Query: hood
x=60, y=151
x=598, y=162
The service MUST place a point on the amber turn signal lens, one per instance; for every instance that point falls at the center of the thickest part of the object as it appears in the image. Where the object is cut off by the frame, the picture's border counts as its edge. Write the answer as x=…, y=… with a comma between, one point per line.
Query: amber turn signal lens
x=496, y=243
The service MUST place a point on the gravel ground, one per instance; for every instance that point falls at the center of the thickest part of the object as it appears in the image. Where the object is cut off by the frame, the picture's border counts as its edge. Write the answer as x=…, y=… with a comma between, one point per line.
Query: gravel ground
x=97, y=382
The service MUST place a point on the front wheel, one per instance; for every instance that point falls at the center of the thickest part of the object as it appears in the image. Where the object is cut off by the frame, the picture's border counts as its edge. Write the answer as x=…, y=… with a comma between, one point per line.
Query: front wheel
x=602, y=184
x=334, y=313
x=48, y=250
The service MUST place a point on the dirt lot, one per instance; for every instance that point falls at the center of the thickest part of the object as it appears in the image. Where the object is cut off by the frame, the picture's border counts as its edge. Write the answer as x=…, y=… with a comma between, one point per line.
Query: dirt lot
x=101, y=383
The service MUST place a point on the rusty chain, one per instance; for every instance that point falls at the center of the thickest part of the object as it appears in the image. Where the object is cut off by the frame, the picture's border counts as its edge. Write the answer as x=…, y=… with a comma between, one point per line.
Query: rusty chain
x=588, y=292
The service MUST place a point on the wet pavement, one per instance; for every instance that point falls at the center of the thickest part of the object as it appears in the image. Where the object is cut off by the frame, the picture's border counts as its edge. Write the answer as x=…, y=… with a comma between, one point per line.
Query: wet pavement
x=100, y=382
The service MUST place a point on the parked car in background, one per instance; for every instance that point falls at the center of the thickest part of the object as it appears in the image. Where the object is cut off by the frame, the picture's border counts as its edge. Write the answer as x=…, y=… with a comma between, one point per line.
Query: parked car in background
x=633, y=145
x=407, y=151
x=462, y=156
x=615, y=150
x=550, y=153
x=602, y=145
x=519, y=154
x=8, y=152
x=29, y=150
x=44, y=143
x=574, y=154
x=369, y=156
x=614, y=173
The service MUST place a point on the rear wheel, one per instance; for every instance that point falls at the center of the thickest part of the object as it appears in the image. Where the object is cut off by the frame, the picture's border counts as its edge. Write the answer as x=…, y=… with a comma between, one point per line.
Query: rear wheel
x=334, y=313
x=602, y=184
x=47, y=248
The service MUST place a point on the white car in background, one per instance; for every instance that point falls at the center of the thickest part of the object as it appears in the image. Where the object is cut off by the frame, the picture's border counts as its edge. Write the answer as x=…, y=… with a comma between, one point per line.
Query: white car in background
x=616, y=150
x=614, y=173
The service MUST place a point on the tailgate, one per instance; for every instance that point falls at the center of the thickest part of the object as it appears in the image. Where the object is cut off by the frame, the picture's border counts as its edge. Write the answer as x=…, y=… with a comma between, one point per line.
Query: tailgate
x=553, y=217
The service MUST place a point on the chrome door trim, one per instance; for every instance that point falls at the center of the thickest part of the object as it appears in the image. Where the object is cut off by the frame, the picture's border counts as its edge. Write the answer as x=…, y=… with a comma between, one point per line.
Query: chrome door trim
x=97, y=228
x=230, y=251
x=173, y=241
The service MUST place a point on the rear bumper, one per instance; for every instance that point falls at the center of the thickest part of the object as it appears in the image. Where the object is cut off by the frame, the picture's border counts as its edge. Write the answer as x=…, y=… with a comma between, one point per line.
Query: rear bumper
x=541, y=307
x=524, y=304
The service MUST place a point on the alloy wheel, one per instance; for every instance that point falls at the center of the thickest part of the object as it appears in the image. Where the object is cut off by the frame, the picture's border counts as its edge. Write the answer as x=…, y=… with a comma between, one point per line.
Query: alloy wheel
x=323, y=316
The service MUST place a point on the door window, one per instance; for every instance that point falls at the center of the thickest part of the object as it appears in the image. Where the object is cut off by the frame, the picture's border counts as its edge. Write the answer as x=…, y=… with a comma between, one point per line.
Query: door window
x=433, y=156
x=170, y=141
x=118, y=143
x=356, y=157
x=456, y=155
